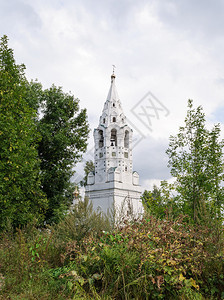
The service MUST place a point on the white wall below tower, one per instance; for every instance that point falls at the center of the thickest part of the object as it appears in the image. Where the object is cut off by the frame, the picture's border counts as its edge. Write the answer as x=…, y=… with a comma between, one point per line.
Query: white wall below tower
x=121, y=199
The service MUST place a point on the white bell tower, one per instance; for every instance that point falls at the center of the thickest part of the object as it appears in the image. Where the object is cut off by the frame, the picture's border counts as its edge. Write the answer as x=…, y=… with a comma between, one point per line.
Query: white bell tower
x=114, y=185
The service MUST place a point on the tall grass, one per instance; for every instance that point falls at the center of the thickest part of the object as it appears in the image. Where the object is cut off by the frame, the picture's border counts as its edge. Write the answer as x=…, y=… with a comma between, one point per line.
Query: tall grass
x=84, y=257
x=31, y=259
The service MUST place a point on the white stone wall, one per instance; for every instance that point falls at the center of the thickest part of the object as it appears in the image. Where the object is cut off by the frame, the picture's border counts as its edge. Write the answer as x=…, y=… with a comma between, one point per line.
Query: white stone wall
x=108, y=198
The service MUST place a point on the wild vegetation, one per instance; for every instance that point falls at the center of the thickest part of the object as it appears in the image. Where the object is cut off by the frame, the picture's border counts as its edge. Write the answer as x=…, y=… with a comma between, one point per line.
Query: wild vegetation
x=43, y=134
x=174, y=251
x=147, y=258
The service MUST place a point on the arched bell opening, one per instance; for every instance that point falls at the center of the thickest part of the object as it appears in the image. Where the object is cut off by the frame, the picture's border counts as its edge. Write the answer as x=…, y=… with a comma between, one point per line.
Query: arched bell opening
x=113, y=137
x=126, y=139
x=101, y=139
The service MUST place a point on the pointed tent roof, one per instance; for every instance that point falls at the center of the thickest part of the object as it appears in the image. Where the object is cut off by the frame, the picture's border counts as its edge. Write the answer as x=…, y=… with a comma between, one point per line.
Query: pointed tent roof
x=113, y=95
x=112, y=106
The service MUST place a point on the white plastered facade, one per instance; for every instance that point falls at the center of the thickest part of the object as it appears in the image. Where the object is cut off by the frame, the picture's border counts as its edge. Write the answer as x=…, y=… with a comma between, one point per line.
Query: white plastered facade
x=114, y=186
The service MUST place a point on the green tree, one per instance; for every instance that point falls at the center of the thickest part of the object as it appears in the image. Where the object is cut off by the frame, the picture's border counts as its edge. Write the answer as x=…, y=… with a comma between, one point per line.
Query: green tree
x=153, y=201
x=34, y=96
x=21, y=198
x=89, y=167
x=161, y=202
x=64, y=131
x=196, y=161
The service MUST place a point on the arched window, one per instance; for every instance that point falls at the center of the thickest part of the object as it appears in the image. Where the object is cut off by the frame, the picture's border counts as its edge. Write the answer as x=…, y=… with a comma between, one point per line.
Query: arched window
x=113, y=104
x=114, y=119
x=126, y=139
x=113, y=137
x=101, y=139
x=104, y=120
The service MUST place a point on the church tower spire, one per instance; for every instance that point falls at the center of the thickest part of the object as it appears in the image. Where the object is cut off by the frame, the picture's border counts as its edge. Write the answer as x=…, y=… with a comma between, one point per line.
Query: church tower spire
x=112, y=111
x=114, y=179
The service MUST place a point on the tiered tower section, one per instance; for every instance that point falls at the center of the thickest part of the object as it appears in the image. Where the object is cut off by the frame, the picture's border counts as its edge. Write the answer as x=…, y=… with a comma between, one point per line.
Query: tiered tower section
x=114, y=183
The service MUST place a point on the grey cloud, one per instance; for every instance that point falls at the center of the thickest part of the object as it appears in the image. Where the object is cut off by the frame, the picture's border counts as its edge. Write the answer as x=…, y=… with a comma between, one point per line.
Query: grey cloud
x=218, y=115
x=116, y=13
x=219, y=81
x=16, y=17
x=199, y=18
x=151, y=160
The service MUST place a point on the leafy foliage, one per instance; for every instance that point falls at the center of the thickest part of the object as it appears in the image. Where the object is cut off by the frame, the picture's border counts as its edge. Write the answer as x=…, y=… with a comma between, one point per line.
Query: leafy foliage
x=148, y=259
x=64, y=133
x=31, y=259
x=80, y=221
x=89, y=167
x=21, y=198
x=196, y=161
x=36, y=183
x=145, y=259
x=153, y=201
x=161, y=202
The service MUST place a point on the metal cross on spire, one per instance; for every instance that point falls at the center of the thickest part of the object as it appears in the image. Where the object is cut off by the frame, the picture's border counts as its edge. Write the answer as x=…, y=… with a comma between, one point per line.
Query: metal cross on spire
x=113, y=68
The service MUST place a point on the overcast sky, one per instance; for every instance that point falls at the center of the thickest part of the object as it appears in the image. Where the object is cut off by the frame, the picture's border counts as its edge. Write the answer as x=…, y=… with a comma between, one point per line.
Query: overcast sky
x=165, y=52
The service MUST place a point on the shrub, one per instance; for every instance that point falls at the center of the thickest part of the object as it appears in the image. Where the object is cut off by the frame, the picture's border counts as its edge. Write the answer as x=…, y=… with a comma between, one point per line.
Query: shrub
x=81, y=220
x=156, y=259
x=144, y=259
